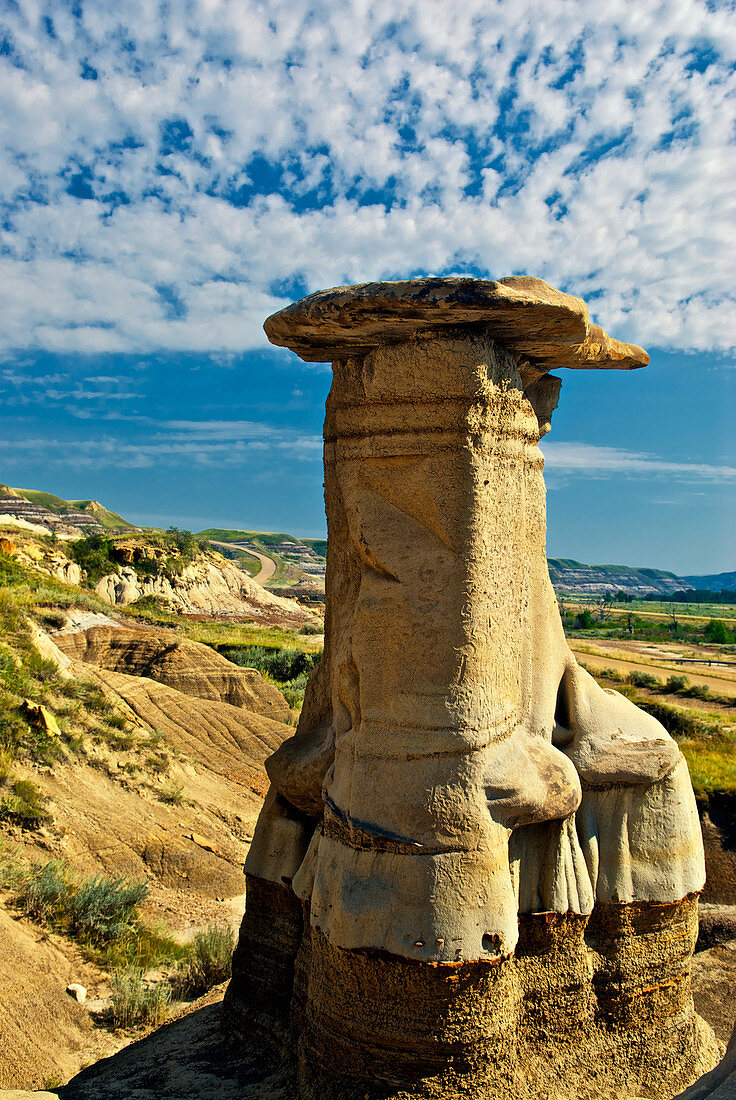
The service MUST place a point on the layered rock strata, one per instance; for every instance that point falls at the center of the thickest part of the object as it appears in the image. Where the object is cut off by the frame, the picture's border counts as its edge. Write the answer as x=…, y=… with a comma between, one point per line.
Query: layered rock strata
x=476, y=871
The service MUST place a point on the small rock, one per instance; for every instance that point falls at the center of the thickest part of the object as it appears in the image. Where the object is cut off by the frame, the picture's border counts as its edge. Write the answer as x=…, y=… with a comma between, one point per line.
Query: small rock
x=78, y=992
x=40, y=716
x=202, y=842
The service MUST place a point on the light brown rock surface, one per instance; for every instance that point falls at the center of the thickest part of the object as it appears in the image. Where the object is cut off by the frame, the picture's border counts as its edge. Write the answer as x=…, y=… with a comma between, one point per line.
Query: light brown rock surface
x=211, y=586
x=43, y=1032
x=530, y=318
x=476, y=872
x=189, y=667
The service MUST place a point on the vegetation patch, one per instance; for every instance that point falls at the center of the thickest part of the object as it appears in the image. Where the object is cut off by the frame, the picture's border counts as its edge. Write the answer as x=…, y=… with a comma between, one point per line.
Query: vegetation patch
x=210, y=961
x=134, y=1002
x=288, y=669
x=100, y=912
x=26, y=806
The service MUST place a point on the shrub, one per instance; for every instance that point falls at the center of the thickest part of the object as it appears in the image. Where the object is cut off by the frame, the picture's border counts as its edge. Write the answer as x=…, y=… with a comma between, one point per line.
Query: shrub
x=103, y=908
x=583, y=621
x=44, y=892
x=93, y=910
x=26, y=806
x=676, y=685
x=94, y=554
x=311, y=628
x=282, y=664
x=717, y=632
x=133, y=1003
x=172, y=794
x=644, y=680
x=210, y=962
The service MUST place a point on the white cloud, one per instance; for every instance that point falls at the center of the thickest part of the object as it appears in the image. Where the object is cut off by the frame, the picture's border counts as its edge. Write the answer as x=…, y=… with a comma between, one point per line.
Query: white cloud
x=598, y=461
x=484, y=123
x=167, y=444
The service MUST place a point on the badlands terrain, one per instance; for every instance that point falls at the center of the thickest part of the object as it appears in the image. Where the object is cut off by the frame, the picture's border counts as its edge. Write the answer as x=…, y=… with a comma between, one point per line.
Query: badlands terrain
x=145, y=683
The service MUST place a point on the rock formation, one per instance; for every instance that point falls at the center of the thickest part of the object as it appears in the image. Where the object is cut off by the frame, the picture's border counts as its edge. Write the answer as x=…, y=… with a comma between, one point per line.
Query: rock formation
x=476, y=872
x=210, y=585
x=190, y=667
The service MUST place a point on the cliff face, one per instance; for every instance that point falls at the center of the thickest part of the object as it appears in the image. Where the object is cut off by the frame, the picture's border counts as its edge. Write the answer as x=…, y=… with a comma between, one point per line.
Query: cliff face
x=210, y=585
x=574, y=576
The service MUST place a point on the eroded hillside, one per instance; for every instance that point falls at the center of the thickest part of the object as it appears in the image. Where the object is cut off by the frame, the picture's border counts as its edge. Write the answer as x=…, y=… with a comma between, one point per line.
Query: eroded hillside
x=129, y=751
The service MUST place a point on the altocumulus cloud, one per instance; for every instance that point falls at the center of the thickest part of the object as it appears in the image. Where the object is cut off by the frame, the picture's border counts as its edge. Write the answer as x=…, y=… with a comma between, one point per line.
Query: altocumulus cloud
x=173, y=173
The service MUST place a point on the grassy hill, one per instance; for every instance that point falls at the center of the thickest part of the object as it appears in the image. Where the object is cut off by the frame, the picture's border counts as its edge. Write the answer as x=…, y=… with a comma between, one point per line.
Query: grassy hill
x=60, y=507
x=264, y=538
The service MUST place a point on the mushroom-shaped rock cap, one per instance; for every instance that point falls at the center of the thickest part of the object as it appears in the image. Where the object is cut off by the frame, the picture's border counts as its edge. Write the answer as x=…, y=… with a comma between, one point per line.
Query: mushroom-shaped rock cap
x=532, y=319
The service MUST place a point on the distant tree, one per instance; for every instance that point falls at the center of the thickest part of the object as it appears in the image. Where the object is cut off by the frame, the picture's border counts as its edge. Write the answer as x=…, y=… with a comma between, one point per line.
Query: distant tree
x=716, y=631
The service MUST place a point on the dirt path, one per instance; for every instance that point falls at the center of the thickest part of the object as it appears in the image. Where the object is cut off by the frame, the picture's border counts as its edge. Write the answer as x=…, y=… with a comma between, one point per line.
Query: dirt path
x=721, y=680
x=268, y=565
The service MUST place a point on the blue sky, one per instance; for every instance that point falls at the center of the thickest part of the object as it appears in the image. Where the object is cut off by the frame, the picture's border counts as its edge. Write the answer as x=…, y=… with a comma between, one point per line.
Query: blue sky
x=173, y=173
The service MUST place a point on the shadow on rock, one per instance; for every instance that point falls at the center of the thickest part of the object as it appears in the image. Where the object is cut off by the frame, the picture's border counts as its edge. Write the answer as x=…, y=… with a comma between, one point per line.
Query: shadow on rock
x=189, y=1057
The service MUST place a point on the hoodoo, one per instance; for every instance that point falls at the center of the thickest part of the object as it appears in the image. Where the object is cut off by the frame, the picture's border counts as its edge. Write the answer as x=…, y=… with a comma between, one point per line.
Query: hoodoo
x=476, y=871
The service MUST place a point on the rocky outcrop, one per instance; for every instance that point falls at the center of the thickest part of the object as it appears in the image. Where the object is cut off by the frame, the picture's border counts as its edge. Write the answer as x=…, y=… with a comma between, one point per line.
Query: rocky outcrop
x=535, y=321
x=210, y=585
x=50, y=561
x=476, y=871
x=189, y=667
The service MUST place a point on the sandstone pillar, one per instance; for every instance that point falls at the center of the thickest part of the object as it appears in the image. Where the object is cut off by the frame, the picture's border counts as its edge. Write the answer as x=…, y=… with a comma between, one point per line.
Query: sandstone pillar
x=476, y=871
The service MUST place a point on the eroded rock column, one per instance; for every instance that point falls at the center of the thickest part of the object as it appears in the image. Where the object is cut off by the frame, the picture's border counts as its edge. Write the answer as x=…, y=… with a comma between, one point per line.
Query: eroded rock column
x=475, y=871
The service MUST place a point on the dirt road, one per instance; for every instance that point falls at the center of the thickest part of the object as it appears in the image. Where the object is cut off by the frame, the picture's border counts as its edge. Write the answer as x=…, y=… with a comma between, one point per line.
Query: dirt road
x=600, y=655
x=268, y=565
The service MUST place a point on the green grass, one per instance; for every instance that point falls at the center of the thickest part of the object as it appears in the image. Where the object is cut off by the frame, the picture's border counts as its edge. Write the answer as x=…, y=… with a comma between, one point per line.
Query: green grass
x=287, y=668
x=133, y=1003
x=100, y=912
x=210, y=962
x=712, y=768
x=26, y=806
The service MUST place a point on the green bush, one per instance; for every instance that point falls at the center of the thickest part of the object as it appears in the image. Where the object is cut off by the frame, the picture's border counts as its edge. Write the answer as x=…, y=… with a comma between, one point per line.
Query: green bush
x=44, y=892
x=93, y=910
x=282, y=664
x=94, y=554
x=210, y=962
x=133, y=1003
x=676, y=685
x=26, y=806
x=311, y=628
x=716, y=631
x=103, y=908
x=644, y=680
